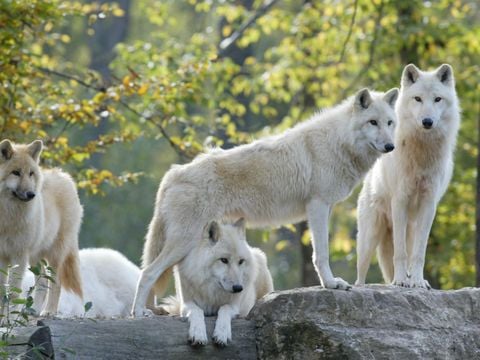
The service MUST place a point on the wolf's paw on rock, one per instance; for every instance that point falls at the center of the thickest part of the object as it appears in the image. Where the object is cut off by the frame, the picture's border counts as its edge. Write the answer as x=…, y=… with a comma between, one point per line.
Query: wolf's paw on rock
x=337, y=283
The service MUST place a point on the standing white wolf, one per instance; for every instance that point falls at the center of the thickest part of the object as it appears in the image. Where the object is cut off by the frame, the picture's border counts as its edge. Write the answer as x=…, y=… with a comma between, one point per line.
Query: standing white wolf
x=40, y=219
x=398, y=201
x=281, y=179
x=223, y=276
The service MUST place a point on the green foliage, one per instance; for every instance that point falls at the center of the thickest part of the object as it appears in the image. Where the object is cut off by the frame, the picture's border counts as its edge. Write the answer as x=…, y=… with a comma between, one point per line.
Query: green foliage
x=178, y=86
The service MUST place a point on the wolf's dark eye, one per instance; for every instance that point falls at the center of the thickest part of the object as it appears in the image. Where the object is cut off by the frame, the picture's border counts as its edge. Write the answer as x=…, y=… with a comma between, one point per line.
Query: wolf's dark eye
x=390, y=122
x=438, y=99
x=418, y=99
x=224, y=260
x=31, y=173
x=16, y=172
x=373, y=122
x=241, y=261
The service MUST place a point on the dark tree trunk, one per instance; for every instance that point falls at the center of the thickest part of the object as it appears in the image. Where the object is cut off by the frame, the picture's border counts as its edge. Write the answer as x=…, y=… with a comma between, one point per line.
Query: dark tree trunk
x=477, y=220
x=108, y=33
x=309, y=276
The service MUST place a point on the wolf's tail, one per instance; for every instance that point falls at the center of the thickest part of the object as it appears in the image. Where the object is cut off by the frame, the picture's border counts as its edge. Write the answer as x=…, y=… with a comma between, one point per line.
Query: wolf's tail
x=171, y=305
x=154, y=242
x=69, y=274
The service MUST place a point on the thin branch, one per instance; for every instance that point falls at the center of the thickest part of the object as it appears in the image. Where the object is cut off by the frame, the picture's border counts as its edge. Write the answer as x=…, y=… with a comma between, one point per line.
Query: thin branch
x=71, y=77
x=371, y=53
x=227, y=43
x=183, y=154
x=350, y=31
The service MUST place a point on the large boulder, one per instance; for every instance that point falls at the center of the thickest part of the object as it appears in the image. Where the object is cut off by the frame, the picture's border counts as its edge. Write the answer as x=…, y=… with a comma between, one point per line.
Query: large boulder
x=375, y=322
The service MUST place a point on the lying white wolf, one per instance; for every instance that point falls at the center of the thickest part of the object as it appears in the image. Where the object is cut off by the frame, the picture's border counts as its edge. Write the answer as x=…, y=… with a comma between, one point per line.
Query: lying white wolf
x=108, y=279
x=281, y=179
x=398, y=201
x=221, y=276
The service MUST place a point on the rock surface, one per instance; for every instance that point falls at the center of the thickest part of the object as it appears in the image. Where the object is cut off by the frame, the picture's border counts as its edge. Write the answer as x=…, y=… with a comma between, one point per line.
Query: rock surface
x=375, y=322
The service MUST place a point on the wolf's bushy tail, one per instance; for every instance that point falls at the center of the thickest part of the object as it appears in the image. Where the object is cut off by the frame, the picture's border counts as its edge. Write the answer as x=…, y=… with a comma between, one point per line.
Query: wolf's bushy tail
x=171, y=305
x=154, y=242
x=69, y=274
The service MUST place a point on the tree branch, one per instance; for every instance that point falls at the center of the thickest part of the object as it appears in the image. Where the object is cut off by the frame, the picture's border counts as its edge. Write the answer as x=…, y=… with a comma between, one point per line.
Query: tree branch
x=227, y=43
x=371, y=52
x=72, y=77
x=350, y=31
x=183, y=154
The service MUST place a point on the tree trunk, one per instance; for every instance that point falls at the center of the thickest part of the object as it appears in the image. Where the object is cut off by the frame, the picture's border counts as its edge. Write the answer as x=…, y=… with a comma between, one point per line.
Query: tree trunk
x=108, y=33
x=477, y=213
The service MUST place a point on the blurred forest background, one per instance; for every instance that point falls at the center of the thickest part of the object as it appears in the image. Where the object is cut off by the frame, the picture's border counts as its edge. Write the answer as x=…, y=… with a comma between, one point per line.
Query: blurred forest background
x=120, y=90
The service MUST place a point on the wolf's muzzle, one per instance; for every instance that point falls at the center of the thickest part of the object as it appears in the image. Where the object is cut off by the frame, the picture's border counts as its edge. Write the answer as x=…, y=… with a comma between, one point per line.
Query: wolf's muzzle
x=427, y=123
x=26, y=196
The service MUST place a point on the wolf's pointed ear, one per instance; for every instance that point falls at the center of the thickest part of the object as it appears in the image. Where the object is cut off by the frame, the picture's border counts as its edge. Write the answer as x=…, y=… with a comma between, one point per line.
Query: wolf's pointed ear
x=213, y=231
x=391, y=97
x=6, y=148
x=35, y=149
x=410, y=75
x=240, y=223
x=445, y=74
x=363, y=99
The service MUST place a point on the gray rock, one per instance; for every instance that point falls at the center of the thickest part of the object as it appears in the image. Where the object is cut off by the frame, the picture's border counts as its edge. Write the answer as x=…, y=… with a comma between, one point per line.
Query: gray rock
x=375, y=322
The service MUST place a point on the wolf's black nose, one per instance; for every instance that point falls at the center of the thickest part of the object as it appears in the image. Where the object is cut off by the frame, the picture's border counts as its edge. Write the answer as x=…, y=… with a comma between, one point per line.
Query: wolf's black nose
x=237, y=288
x=427, y=123
x=389, y=147
x=30, y=195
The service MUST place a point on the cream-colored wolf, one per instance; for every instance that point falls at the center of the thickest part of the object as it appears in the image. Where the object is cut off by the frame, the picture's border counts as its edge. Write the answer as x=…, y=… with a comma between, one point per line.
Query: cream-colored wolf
x=398, y=201
x=40, y=219
x=276, y=180
x=223, y=276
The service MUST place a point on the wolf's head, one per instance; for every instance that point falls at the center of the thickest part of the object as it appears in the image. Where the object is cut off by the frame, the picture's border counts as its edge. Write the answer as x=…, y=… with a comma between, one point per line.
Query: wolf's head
x=374, y=119
x=231, y=259
x=426, y=98
x=20, y=175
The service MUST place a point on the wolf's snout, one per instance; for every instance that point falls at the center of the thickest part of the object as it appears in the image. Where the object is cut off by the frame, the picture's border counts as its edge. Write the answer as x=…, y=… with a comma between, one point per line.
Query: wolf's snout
x=389, y=147
x=24, y=196
x=237, y=288
x=427, y=123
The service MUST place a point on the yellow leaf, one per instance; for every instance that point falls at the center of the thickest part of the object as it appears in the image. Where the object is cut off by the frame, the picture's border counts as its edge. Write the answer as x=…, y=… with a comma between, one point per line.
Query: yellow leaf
x=118, y=12
x=281, y=245
x=126, y=81
x=143, y=89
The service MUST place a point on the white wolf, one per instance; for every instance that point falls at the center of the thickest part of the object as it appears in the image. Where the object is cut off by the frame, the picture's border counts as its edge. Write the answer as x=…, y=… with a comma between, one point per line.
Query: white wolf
x=40, y=217
x=109, y=281
x=398, y=201
x=281, y=179
x=223, y=276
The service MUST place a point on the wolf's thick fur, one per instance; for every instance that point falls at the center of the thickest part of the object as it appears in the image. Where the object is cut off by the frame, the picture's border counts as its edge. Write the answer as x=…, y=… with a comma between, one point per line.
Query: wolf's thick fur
x=281, y=179
x=398, y=201
x=109, y=281
x=40, y=219
x=223, y=276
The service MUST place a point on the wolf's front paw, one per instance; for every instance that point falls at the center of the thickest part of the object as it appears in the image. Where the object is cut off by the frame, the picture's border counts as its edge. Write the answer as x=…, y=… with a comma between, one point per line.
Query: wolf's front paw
x=47, y=313
x=139, y=313
x=419, y=283
x=221, y=336
x=197, y=335
x=402, y=282
x=337, y=283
